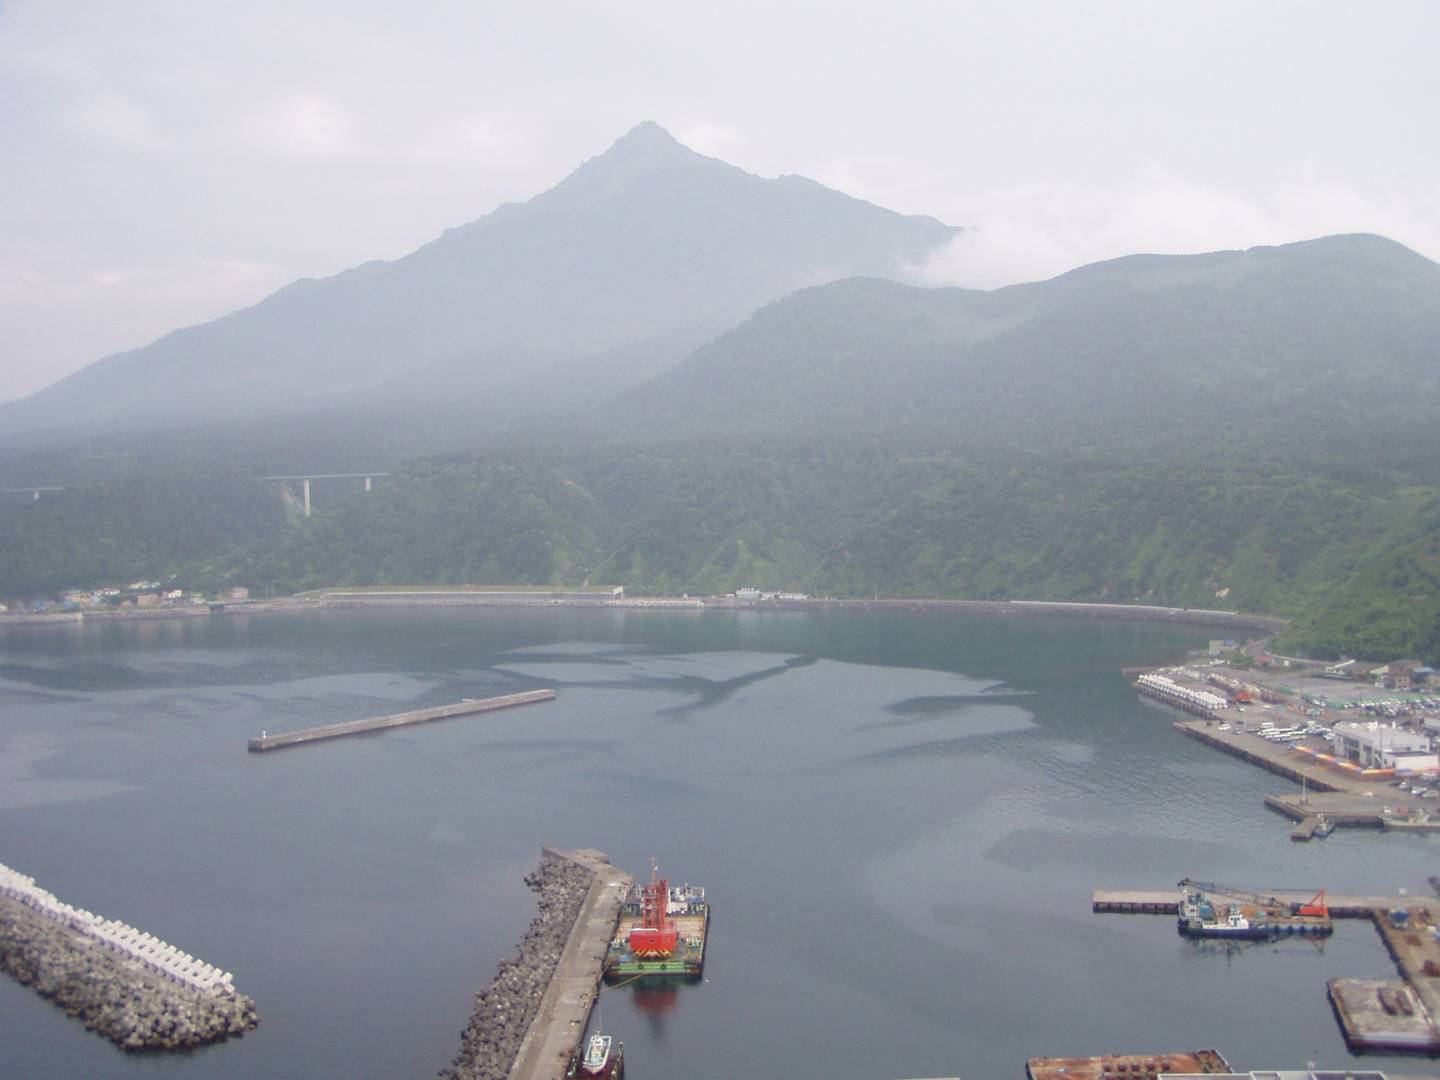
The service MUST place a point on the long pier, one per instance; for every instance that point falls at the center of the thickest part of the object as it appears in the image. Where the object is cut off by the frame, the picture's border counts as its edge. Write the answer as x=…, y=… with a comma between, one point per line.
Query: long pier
x=405, y=719
x=559, y=1025
x=1167, y=902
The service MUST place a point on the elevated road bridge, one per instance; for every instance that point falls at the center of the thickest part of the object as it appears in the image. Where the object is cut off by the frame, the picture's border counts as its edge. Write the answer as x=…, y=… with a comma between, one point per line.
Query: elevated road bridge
x=305, y=479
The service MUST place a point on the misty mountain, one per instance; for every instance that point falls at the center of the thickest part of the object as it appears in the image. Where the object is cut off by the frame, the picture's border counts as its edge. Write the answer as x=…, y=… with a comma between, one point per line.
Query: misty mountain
x=1343, y=330
x=631, y=261
x=1253, y=430
x=1246, y=429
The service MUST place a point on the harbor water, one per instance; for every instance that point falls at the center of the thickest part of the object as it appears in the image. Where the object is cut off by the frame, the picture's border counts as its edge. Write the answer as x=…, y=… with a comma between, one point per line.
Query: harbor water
x=899, y=819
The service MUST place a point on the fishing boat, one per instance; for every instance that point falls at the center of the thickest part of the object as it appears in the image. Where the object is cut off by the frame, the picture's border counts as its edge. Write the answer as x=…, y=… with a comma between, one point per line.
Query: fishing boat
x=604, y=1056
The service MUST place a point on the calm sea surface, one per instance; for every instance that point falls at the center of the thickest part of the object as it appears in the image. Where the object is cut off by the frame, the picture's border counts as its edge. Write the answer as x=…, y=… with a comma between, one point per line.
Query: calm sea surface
x=899, y=819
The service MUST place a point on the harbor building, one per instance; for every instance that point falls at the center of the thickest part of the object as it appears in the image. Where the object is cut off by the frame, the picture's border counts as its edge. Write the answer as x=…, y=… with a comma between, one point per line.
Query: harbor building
x=1375, y=746
x=1412, y=763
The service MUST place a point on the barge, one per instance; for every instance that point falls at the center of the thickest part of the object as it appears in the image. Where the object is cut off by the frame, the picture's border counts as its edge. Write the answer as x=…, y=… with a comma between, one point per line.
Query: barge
x=1215, y=911
x=1128, y=1066
x=662, y=931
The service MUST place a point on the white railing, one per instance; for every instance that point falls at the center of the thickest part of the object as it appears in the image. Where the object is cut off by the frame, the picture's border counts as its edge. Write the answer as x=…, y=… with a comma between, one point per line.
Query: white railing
x=155, y=954
x=1163, y=686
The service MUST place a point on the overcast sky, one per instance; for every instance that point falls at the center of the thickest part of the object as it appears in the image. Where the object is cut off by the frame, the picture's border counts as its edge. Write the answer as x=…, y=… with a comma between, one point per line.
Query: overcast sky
x=162, y=163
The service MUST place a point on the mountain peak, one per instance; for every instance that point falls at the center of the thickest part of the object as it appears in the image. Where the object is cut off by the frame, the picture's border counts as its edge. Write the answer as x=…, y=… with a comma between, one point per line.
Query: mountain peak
x=648, y=137
x=644, y=148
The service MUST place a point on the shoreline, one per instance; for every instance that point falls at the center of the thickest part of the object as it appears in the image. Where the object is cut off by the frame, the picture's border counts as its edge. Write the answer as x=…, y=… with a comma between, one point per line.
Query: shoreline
x=419, y=598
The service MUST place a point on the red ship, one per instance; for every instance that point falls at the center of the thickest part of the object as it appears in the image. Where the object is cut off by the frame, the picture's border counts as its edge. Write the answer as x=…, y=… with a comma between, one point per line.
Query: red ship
x=661, y=931
x=655, y=937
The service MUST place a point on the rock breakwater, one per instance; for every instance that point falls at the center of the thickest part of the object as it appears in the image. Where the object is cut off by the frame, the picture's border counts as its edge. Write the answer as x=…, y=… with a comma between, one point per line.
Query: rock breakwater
x=505, y=1009
x=131, y=1004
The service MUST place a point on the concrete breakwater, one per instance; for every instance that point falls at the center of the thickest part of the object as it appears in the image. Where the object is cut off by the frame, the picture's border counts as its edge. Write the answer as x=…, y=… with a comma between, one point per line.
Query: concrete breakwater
x=504, y=1009
x=379, y=723
x=134, y=989
x=531, y=1017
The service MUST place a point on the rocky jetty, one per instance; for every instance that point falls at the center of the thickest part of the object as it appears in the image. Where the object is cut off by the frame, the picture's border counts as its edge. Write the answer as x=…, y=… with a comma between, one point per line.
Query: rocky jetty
x=131, y=1005
x=505, y=1008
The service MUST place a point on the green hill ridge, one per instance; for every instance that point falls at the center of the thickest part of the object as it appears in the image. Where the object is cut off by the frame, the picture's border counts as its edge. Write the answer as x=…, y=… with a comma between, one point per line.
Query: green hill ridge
x=1253, y=430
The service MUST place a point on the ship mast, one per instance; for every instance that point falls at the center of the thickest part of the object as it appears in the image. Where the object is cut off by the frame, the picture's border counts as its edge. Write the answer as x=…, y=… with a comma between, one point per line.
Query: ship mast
x=655, y=900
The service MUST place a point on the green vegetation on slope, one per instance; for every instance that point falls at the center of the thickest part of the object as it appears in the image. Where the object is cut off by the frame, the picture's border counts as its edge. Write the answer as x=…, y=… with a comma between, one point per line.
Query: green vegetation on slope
x=1250, y=430
x=146, y=526
x=1389, y=608
x=439, y=522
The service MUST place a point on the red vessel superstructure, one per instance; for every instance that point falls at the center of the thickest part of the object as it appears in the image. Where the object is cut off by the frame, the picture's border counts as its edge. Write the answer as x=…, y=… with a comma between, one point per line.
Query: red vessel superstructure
x=656, y=935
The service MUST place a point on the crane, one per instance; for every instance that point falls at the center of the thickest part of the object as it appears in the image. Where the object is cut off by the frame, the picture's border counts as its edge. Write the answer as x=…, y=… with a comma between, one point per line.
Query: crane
x=1314, y=906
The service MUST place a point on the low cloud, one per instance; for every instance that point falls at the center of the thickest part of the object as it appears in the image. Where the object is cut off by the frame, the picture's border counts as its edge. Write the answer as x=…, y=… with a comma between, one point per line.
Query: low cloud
x=114, y=120
x=303, y=125
x=1039, y=231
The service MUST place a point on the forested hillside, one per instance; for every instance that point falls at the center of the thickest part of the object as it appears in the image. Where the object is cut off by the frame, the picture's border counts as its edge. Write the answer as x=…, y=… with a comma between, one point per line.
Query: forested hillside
x=137, y=527
x=861, y=516
x=1249, y=430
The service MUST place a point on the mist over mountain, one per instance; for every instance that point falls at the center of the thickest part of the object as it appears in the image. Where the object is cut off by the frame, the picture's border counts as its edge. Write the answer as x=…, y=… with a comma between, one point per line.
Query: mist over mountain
x=667, y=385
x=635, y=258
x=1343, y=330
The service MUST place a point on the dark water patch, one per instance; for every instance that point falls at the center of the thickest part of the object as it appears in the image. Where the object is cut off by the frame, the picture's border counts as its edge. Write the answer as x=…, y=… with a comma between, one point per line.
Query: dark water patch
x=90, y=676
x=712, y=694
x=599, y=657
x=941, y=704
x=980, y=742
x=921, y=710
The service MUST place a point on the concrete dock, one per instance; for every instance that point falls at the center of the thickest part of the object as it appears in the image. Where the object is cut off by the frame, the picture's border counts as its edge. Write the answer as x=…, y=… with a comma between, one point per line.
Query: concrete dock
x=1346, y=800
x=1374, y=1014
x=1340, y=809
x=555, y=1032
x=1280, y=760
x=1167, y=902
x=1401, y=1014
x=405, y=719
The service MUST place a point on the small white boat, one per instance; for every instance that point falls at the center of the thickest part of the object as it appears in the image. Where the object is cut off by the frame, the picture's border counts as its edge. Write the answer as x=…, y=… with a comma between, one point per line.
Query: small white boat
x=604, y=1057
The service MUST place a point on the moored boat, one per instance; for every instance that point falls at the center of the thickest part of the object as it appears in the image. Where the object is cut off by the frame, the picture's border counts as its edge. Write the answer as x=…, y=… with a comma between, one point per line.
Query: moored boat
x=604, y=1056
x=662, y=931
x=1247, y=915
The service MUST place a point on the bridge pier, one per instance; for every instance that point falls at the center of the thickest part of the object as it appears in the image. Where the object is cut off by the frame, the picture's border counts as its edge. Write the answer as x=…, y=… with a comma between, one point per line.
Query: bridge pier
x=33, y=490
x=305, y=478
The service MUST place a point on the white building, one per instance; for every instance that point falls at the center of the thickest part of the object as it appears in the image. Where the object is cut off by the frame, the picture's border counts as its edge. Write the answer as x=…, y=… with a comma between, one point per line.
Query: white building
x=1411, y=762
x=1371, y=744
